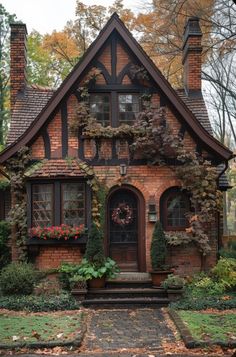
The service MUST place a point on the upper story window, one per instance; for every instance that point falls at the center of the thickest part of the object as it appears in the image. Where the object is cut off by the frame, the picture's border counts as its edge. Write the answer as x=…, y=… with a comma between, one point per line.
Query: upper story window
x=175, y=204
x=100, y=108
x=58, y=202
x=121, y=109
x=128, y=108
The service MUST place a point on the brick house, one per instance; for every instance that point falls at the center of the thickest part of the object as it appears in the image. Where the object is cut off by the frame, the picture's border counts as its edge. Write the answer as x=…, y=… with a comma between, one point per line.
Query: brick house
x=57, y=190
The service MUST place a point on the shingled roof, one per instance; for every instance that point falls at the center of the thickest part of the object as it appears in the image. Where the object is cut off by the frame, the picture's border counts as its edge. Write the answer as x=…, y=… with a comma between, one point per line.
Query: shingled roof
x=114, y=24
x=27, y=107
x=30, y=103
x=197, y=106
x=56, y=168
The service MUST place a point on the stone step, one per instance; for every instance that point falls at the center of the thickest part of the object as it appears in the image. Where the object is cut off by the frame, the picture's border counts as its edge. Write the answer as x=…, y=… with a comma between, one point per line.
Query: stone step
x=126, y=302
x=125, y=293
x=119, y=284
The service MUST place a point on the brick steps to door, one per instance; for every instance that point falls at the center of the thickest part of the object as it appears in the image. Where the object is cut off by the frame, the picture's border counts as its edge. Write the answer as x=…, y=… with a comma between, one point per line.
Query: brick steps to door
x=126, y=302
x=125, y=293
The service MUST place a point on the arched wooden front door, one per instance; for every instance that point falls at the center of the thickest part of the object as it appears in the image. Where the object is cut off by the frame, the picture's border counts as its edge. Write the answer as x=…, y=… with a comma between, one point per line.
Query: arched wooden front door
x=125, y=238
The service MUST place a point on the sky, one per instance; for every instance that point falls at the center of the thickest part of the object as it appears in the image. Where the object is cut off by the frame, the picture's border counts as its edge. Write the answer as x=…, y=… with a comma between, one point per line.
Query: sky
x=48, y=15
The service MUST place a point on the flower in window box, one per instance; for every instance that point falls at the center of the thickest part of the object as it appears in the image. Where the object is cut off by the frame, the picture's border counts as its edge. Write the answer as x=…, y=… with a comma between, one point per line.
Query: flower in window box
x=62, y=232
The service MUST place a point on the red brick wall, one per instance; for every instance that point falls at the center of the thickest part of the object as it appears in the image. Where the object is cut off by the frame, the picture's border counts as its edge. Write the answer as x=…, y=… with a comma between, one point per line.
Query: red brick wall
x=52, y=257
x=150, y=181
x=37, y=149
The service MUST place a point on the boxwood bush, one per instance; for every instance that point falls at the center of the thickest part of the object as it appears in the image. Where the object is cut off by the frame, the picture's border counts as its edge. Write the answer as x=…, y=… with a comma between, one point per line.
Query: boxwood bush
x=39, y=303
x=18, y=278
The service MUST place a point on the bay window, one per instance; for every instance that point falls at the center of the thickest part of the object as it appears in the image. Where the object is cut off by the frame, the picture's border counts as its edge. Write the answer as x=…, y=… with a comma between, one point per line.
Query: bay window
x=57, y=202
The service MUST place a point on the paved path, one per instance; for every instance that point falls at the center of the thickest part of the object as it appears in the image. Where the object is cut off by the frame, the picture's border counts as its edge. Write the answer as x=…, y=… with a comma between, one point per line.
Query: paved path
x=113, y=330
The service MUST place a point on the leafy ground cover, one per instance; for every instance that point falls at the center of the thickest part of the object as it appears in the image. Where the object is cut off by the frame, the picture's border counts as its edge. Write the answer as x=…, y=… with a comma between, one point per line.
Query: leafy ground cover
x=41, y=303
x=210, y=326
x=26, y=328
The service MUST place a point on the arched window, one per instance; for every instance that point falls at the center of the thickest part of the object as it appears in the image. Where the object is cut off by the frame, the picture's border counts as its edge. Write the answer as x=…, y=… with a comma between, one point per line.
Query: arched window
x=174, y=206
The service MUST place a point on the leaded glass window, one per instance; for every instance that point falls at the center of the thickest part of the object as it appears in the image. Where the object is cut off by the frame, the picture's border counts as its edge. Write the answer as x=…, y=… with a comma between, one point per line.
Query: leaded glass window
x=176, y=211
x=100, y=108
x=73, y=204
x=42, y=205
x=175, y=205
x=128, y=108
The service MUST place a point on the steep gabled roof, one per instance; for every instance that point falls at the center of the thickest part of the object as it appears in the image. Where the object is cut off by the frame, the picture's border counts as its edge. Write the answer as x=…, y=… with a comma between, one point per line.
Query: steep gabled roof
x=28, y=106
x=115, y=23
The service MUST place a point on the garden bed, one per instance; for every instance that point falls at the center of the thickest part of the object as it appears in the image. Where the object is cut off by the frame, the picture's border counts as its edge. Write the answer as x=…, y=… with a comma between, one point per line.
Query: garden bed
x=41, y=329
x=206, y=328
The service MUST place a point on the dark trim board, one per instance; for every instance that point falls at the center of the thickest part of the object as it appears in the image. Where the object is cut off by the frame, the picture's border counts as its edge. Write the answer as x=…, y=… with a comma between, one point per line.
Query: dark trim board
x=64, y=133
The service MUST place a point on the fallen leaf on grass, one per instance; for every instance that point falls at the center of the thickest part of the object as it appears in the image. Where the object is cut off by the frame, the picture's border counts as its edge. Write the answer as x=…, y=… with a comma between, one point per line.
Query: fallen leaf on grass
x=36, y=335
x=59, y=335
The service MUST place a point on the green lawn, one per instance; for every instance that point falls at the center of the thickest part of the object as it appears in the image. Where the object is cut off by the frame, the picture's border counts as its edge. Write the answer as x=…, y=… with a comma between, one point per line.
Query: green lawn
x=45, y=327
x=210, y=326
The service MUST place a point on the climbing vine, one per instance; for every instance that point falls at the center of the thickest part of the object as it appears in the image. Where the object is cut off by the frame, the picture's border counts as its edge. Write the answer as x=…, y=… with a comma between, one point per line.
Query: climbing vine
x=153, y=140
x=99, y=194
x=16, y=167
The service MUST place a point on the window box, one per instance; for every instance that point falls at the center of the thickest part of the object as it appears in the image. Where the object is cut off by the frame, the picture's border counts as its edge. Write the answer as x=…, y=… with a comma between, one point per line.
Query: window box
x=52, y=241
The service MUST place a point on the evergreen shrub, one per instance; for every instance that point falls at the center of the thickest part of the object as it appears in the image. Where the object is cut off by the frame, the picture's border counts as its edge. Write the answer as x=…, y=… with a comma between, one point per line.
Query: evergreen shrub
x=18, y=278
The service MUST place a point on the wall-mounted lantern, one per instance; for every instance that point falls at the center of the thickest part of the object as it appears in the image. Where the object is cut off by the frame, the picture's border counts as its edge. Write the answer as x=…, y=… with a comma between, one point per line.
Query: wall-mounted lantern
x=123, y=169
x=152, y=212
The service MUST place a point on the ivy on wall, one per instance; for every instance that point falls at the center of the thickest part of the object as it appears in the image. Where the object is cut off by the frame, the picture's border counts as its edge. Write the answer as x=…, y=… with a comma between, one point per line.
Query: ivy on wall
x=16, y=167
x=154, y=141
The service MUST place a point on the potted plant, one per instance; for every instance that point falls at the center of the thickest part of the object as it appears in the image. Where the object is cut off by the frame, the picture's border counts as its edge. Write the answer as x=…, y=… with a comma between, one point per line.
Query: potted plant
x=160, y=270
x=95, y=274
x=173, y=285
x=95, y=267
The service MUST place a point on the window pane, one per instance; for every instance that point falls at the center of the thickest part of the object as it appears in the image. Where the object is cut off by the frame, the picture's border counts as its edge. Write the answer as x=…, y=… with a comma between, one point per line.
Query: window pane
x=73, y=204
x=100, y=108
x=177, y=207
x=128, y=108
x=42, y=203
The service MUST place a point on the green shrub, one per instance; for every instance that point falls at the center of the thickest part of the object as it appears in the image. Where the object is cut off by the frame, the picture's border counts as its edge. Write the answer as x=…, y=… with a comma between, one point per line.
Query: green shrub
x=94, y=249
x=173, y=281
x=208, y=302
x=89, y=270
x=18, y=278
x=204, y=287
x=230, y=251
x=158, y=248
x=66, y=273
x=5, y=254
x=225, y=272
x=40, y=303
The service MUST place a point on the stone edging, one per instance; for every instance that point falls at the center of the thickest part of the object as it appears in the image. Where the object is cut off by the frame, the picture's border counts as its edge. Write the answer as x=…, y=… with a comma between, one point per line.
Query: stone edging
x=188, y=339
x=50, y=344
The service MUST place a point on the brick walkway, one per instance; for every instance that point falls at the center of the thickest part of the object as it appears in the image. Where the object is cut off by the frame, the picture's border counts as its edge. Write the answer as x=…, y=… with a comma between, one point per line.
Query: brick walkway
x=115, y=330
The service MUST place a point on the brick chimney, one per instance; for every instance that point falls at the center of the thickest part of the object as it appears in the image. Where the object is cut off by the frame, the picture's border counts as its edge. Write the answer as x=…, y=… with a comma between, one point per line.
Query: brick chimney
x=192, y=56
x=18, y=56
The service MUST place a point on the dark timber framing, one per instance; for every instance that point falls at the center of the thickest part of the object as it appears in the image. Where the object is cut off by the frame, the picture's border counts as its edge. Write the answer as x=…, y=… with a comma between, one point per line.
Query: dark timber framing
x=47, y=145
x=116, y=25
x=64, y=132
